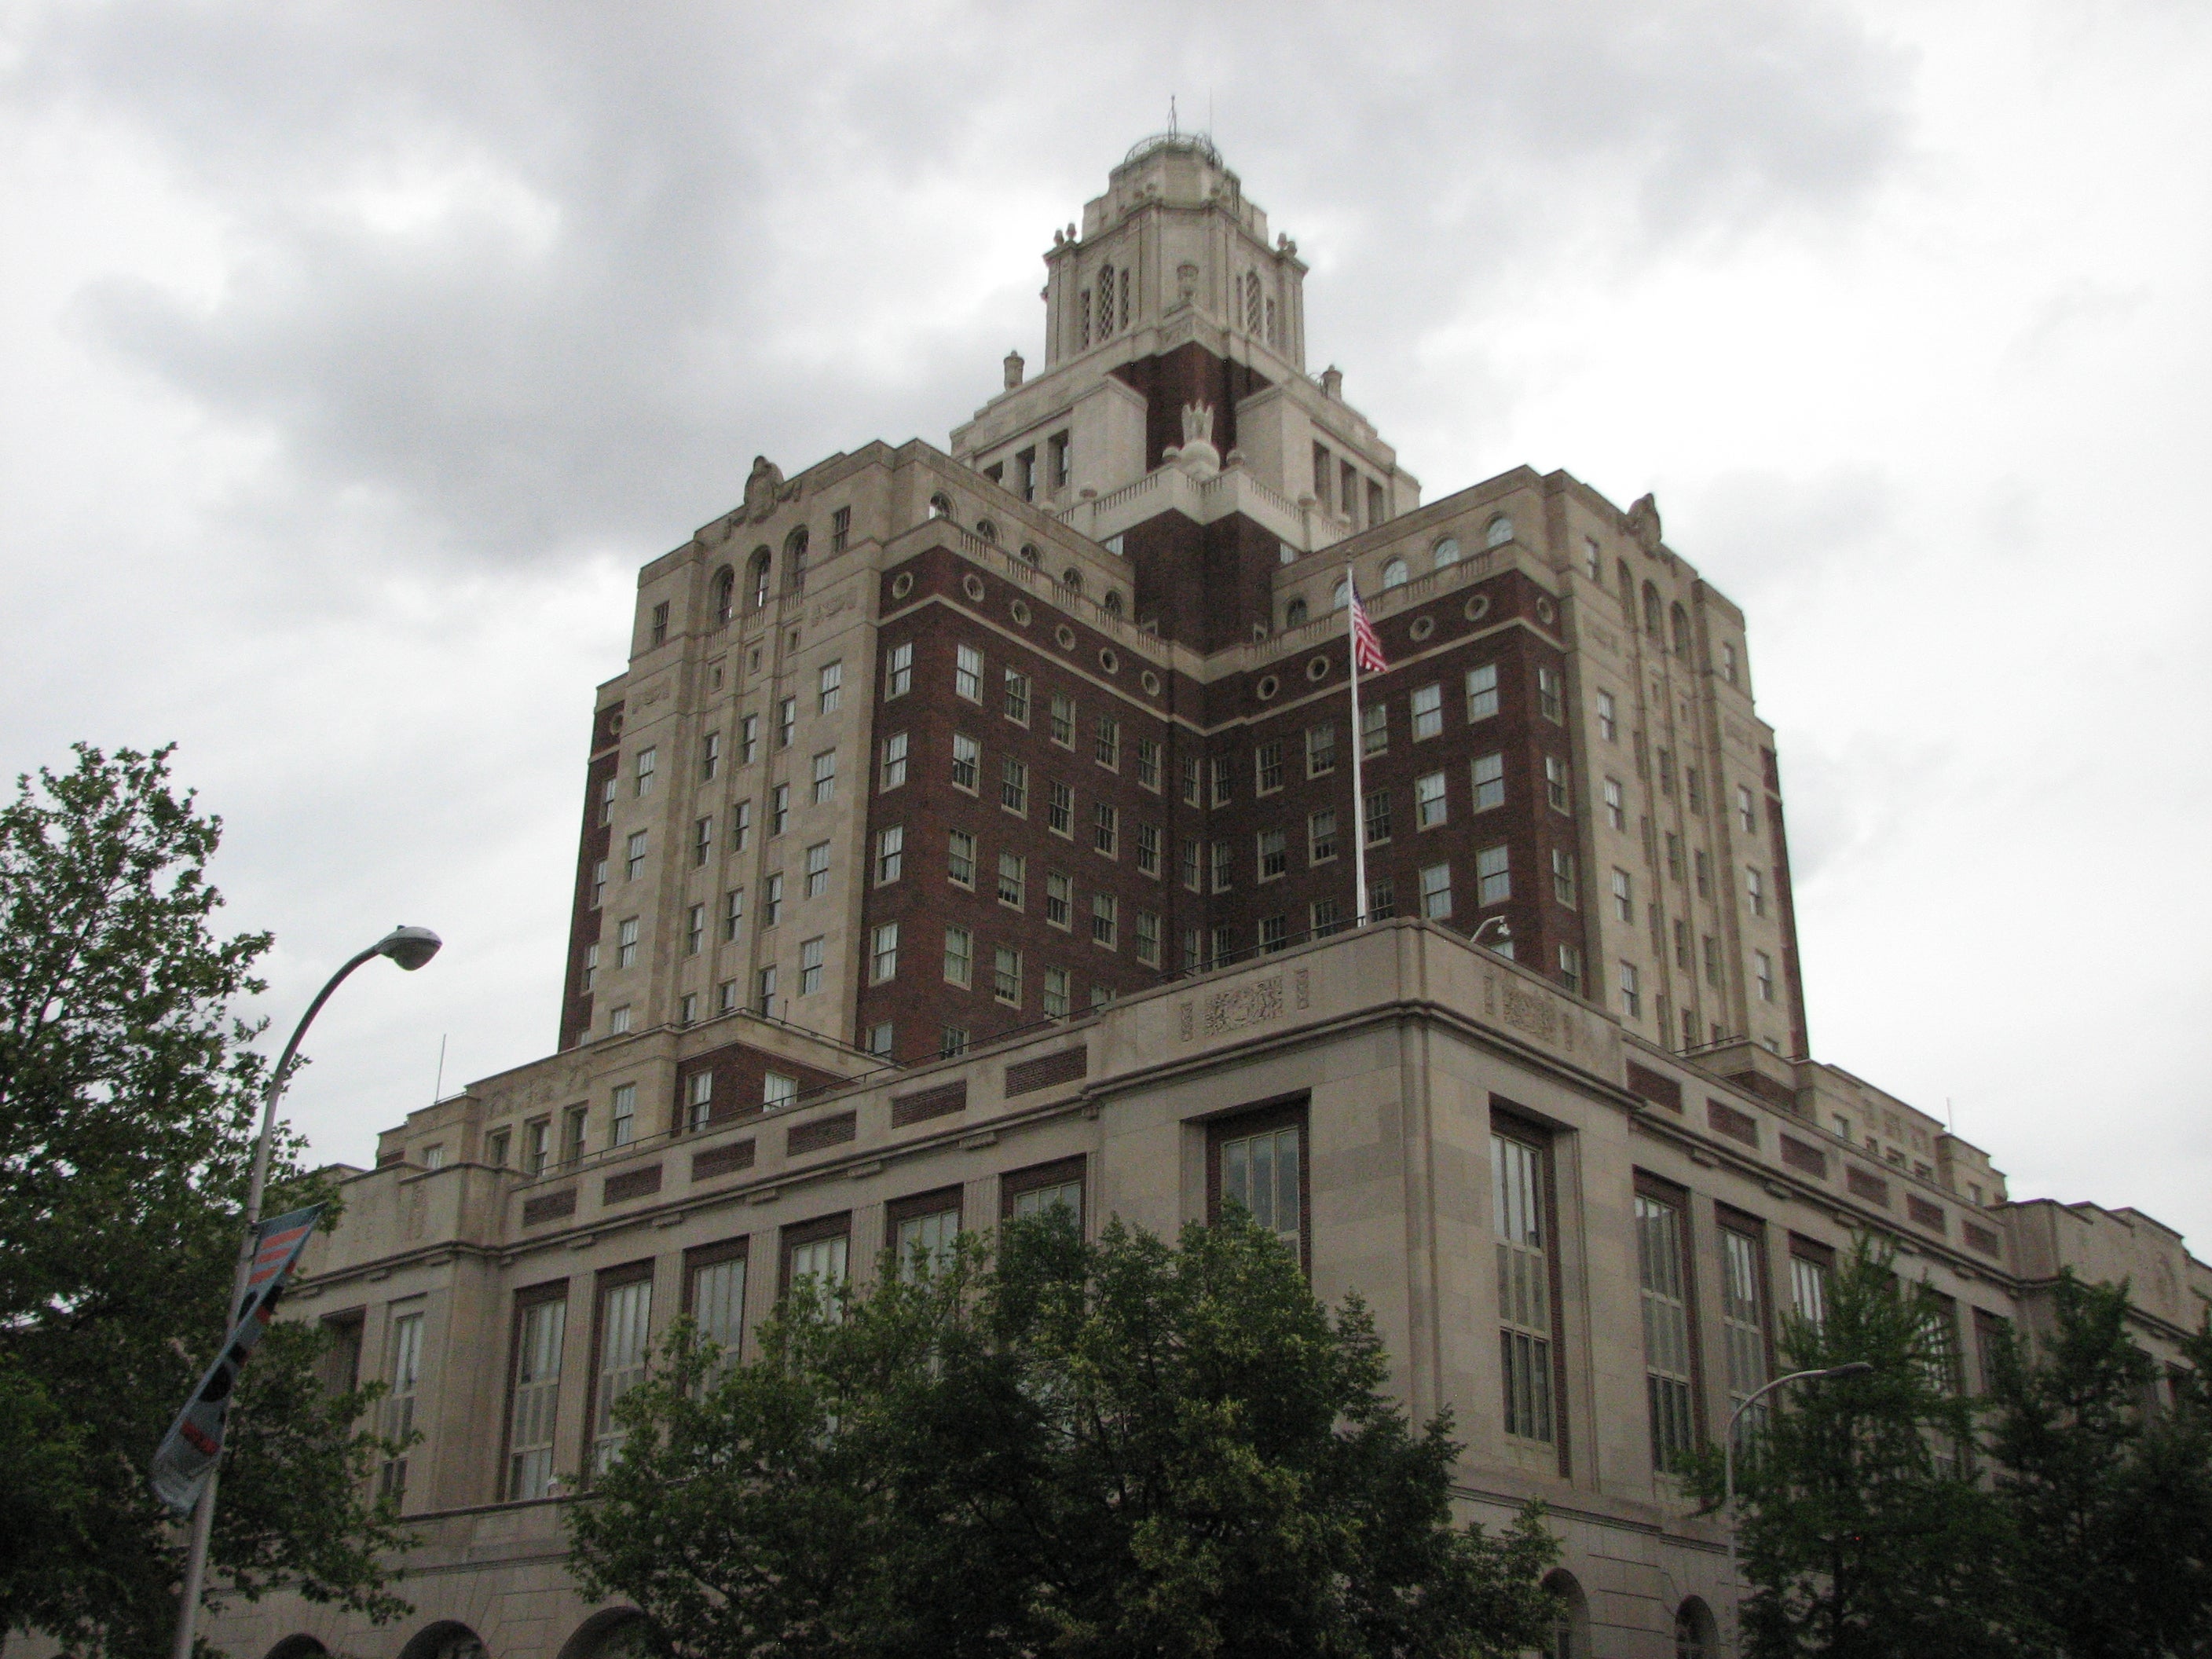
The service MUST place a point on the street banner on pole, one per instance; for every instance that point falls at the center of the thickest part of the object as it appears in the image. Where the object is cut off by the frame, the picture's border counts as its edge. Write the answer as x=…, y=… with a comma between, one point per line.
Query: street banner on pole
x=188, y=1452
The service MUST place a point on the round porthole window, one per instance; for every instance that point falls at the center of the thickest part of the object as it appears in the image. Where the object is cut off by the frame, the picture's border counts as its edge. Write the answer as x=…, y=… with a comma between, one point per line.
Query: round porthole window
x=1267, y=689
x=1545, y=612
x=1066, y=635
x=1151, y=681
x=903, y=584
x=1109, y=662
x=1019, y=611
x=1423, y=626
x=1317, y=668
x=1478, y=607
x=972, y=585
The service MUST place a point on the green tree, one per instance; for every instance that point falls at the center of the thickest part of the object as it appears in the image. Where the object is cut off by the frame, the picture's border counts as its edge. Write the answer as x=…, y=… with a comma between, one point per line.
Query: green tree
x=2111, y=1492
x=1861, y=1530
x=127, y=1116
x=1089, y=1449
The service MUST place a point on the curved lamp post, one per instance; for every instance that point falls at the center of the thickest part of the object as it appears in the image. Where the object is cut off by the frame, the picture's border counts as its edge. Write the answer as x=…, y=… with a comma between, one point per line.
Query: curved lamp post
x=410, y=947
x=1854, y=1368
x=1504, y=932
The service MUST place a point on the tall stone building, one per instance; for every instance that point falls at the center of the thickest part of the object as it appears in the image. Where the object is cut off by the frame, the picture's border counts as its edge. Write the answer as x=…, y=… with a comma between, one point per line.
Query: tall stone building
x=974, y=830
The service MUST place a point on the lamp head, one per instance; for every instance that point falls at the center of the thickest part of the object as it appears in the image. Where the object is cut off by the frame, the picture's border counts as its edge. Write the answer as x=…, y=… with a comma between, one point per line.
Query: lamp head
x=410, y=947
x=1855, y=1368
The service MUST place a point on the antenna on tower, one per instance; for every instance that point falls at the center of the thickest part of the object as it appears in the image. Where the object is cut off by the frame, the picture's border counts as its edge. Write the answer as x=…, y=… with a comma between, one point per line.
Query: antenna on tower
x=1171, y=114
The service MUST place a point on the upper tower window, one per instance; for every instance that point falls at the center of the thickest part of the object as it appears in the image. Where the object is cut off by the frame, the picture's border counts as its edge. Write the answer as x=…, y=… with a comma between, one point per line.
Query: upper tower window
x=1394, y=575
x=940, y=506
x=1499, y=532
x=758, y=572
x=1252, y=302
x=794, y=561
x=1105, y=301
x=725, y=595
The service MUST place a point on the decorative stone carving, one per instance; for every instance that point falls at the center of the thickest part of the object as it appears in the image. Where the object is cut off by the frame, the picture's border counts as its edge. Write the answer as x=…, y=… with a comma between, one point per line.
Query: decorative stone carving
x=1643, y=523
x=1302, y=981
x=1197, y=456
x=764, y=488
x=1240, y=1005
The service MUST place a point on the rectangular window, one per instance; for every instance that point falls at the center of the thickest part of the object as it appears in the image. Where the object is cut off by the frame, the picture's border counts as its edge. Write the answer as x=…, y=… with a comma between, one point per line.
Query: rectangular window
x=1148, y=938
x=599, y=883
x=1674, y=856
x=1261, y=1170
x=1745, y=812
x=626, y=943
x=741, y=824
x=648, y=761
x=898, y=670
x=764, y=991
x=591, y=965
x=1565, y=887
x=1148, y=848
x=748, y=739
x=733, y=913
x=960, y=858
x=607, y=788
x=772, y=899
x=1105, y=828
x=1809, y=1286
x=951, y=1042
x=1669, y=1388
x=809, y=967
x=1006, y=975
x=1377, y=815
x=1059, y=453
x=1060, y=810
x=1223, y=859
x=540, y=1326
x=1482, y=692
x=1320, y=836
x=1489, y=781
x=634, y=856
x=1681, y=943
x=1275, y=933
x=1221, y=780
x=840, y=529
x=1755, y=888
x=1743, y=1323
x=1428, y=712
x=1222, y=945
x=1055, y=993
x=825, y=776
x=1493, y=875
x=1624, y=896
x=1616, y=807
x=1193, y=951
x=883, y=953
x=1325, y=916
x=1631, y=990
x=1267, y=768
x=1017, y=698
x=660, y=623
x=572, y=1135
x=404, y=1376
x=1547, y=694
x=1148, y=763
x=537, y=1145
x=1063, y=721
x=618, y=1020
x=1025, y=475
x=1106, y=743
x=1103, y=915
x=1320, y=751
x=1702, y=863
x=893, y=763
x=786, y=721
x=622, y=1344
x=699, y=1098
x=815, y=1253
x=1436, y=890
x=1520, y=1212
x=1012, y=880
x=828, y=688
x=1058, y=896
x=1428, y=800
x=694, y=929
x=1608, y=717
x=1274, y=853
x=1191, y=856
x=923, y=1231
x=1033, y=1192
x=1571, y=967
x=968, y=673
x=959, y=955
x=1320, y=464
x=1557, y=789
x=714, y=1296
x=1375, y=727
x=1190, y=780
x=1728, y=662
x=1764, y=976
x=1014, y=785
x=779, y=809
x=710, y=756
x=967, y=754
x=725, y=996
x=890, y=853
x=1692, y=791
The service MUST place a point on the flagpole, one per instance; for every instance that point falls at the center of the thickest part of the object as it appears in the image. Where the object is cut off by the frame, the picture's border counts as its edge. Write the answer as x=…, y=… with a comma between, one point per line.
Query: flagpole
x=1358, y=800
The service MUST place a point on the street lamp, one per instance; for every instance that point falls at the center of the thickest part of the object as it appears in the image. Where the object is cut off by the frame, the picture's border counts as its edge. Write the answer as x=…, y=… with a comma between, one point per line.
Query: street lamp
x=410, y=947
x=1504, y=932
x=1852, y=1367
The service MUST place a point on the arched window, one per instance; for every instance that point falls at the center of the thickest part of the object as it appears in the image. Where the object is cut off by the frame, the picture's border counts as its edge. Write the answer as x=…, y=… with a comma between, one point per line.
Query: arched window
x=1651, y=610
x=1251, y=302
x=1113, y=603
x=1680, y=620
x=1447, y=551
x=725, y=596
x=1105, y=300
x=757, y=575
x=986, y=530
x=1394, y=575
x=794, y=561
x=1294, y=613
x=1342, y=594
x=1498, y=532
x=1695, y=1634
x=1072, y=579
x=1031, y=556
x=1570, y=1637
x=940, y=506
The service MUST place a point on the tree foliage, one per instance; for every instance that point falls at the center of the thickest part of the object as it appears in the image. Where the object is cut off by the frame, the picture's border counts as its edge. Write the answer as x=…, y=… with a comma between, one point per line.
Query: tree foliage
x=1861, y=1530
x=1088, y=1449
x=127, y=1116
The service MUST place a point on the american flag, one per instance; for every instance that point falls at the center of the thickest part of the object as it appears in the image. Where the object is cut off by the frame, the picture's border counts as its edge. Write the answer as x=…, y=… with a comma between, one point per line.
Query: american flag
x=1366, y=643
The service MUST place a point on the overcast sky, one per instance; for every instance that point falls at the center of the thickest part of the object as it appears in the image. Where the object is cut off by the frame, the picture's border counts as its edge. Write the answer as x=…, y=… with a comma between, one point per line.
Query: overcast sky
x=356, y=357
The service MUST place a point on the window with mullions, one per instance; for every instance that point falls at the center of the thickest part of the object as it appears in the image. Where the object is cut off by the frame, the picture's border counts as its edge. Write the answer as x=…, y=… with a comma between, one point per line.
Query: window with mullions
x=920, y=1231
x=1041, y=1187
x=534, y=1399
x=1743, y=1323
x=816, y=1252
x=1520, y=1215
x=1258, y=1161
x=1811, y=1267
x=714, y=1296
x=1670, y=1390
x=404, y=1375
x=621, y=1344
